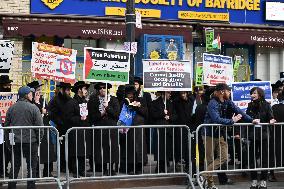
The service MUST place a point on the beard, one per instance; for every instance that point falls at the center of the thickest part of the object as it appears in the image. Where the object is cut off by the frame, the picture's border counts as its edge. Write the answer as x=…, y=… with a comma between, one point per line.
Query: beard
x=63, y=96
x=2, y=89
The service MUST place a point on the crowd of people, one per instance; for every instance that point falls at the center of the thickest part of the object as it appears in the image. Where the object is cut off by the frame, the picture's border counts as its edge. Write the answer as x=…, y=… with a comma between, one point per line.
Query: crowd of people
x=130, y=107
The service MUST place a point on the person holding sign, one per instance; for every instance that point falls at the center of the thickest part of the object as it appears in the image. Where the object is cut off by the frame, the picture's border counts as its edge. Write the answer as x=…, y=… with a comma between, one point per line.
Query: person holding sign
x=163, y=113
x=261, y=110
x=77, y=116
x=220, y=110
x=104, y=110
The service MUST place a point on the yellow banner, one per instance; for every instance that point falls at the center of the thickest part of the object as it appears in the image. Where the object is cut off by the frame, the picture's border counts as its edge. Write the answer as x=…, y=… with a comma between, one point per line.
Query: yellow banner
x=211, y=16
x=145, y=13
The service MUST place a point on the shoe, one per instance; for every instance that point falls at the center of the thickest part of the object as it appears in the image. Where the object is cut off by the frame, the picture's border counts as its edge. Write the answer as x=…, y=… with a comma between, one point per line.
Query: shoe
x=254, y=184
x=229, y=182
x=272, y=178
x=262, y=185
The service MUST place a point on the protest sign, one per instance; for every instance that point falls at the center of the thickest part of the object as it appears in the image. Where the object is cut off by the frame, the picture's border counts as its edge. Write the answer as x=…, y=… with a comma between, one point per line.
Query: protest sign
x=6, y=52
x=241, y=92
x=109, y=66
x=167, y=75
x=52, y=62
x=6, y=100
x=199, y=74
x=209, y=37
x=217, y=69
x=83, y=109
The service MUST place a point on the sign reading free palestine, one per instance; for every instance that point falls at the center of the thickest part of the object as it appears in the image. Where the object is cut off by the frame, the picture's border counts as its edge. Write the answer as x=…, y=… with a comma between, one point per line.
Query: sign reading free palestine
x=109, y=66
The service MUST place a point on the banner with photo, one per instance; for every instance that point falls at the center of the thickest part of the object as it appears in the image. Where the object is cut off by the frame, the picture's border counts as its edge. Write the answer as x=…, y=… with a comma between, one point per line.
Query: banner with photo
x=103, y=65
x=217, y=69
x=167, y=75
x=241, y=92
x=53, y=63
x=7, y=53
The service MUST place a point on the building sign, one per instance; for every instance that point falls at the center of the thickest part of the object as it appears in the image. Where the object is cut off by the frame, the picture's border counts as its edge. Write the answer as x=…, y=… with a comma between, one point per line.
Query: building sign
x=102, y=65
x=167, y=75
x=275, y=11
x=233, y=11
x=217, y=69
x=52, y=62
x=241, y=92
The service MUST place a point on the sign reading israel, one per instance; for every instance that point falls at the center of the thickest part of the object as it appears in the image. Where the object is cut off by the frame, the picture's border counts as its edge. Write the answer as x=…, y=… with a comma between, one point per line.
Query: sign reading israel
x=233, y=11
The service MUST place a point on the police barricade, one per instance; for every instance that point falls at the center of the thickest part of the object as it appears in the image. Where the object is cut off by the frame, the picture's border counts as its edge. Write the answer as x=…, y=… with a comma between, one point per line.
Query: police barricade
x=116, y=152
x=238, y=148
x=28, y=154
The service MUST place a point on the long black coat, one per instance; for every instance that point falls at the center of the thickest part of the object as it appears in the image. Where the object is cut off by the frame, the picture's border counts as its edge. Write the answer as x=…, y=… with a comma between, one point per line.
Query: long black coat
x=73, y=119
x=183, y=110
x=105, y=141
x=278, y=112
x=136, y=138
x=259, y=110
x=163, y=138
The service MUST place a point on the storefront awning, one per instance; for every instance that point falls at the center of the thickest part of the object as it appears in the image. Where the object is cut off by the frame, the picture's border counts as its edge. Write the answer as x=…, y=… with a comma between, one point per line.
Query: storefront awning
x=85, y=28
x=266, y=36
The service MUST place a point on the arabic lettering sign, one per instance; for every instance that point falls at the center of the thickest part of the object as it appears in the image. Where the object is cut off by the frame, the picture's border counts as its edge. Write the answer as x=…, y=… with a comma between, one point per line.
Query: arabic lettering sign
x=167, y=75
x=110, y=66
x=52, y=62
x=241, y=92
x=217, y=69
x=233, y=11
x=6, y=56
x=199, y=74
x=6, y=100
x=209, y=37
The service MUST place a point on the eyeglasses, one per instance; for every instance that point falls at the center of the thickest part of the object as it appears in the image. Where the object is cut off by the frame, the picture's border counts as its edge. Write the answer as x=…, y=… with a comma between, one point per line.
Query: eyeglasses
x=102, y=87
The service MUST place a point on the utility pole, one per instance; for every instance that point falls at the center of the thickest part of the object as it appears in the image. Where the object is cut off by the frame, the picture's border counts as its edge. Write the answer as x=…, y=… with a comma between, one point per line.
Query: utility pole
x=130, y=33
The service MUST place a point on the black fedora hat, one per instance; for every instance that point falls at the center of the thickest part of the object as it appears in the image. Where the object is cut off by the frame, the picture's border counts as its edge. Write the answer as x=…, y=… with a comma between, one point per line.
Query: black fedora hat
x=79, y=84
x=98, y=85
x=4, y=79
x=64, y=85
x=138, y=80
x=34, y=84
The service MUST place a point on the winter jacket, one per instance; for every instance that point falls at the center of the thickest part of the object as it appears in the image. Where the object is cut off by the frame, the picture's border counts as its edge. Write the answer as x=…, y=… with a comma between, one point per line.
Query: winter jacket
x=24, y=113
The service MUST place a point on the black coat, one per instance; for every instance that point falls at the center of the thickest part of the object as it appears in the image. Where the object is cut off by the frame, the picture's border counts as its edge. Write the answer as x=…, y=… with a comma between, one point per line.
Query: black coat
x=183, y=110
x=278, y=112
x=136, y=138
x=57, y=111
x=73, y=119
x=165, y=136
x=107, y=140
x=259, y=109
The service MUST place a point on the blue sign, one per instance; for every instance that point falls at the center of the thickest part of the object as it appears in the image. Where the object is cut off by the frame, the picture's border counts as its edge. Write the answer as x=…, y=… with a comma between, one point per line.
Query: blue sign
x=240, y=11
x=241, y=92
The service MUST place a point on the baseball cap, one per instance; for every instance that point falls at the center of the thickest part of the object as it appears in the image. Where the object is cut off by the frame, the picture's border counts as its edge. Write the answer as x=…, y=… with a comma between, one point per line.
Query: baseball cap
x=222, y=87
x=24, y=91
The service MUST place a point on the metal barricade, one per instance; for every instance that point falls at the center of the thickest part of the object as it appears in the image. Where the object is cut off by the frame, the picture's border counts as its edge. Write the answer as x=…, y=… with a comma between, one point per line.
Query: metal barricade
x=119, y=152
x=38, y=145
x=238, y=148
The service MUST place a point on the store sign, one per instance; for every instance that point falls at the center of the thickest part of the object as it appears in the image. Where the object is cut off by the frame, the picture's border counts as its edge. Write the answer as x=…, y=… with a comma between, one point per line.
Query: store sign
x=233, y=11
x=52, y=62
x=275, y=11
x=241, y=92
x=102, y=65
x=166, y=75
x=217, y=69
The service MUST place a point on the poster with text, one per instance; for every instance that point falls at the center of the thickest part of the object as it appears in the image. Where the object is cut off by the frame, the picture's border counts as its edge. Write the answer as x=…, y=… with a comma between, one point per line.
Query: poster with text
x=199, y=74
x=6, y=56
x=217, y=69
x=52, y=62
x=6, y=100
x=167, y=75
x=109, y=66
x=241, y=92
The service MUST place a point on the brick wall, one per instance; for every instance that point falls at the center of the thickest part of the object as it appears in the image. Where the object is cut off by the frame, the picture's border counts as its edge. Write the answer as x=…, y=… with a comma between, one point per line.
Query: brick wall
x=15, y=6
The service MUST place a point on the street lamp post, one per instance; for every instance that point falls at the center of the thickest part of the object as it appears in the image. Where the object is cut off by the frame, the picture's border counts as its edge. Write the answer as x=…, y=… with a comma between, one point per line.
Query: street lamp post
x=130, y=33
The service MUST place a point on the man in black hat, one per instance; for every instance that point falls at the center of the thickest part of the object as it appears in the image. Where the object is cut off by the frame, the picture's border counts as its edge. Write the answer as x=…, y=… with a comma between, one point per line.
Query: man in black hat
x=77, y=116
x=220, y=110
x=57, y=114
x=5, y=83
x=104, y=110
